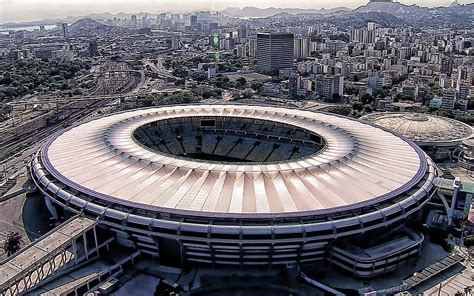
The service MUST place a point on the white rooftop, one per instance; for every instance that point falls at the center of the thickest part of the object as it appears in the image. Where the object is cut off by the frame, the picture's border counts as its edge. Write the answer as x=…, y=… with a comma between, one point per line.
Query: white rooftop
x=359, y=164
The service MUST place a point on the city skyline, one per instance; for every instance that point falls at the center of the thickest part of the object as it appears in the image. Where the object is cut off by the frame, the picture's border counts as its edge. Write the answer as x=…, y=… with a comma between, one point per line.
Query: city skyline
x=218, y=147
x=29, y=10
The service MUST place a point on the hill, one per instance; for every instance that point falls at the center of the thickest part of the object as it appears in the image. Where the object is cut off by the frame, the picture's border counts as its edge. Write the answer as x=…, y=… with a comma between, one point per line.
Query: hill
x=271, y=11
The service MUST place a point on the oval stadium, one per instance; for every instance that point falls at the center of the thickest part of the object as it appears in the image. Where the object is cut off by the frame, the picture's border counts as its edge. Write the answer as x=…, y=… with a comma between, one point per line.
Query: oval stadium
x=240, y=185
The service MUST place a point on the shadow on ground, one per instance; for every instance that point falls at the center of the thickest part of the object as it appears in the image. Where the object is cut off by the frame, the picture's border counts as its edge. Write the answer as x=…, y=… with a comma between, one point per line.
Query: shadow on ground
x=36, y=216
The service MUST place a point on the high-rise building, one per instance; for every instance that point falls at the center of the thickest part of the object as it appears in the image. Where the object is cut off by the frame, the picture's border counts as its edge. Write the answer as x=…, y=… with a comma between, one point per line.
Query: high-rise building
x=134, y=20
x=449, y=99
x=243, y=32
x=92, y=49
x=302, y=48
x=338, y=85
x=446, y=66
x=371, y=26
x=326, y=86
x=463, y=89
x=175, y=42
x=193, y=21
x=241, y=50
x=363, y=35
x=274, y=51
x=64, y=30
x=463, y=72
x=144, y=23
x=443, y=80
x=376, y=82
x=294, y=82
x=252, y=47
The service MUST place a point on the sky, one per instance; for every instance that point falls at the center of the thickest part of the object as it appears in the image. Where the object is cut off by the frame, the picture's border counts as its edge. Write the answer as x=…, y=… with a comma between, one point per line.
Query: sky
x=31, y=10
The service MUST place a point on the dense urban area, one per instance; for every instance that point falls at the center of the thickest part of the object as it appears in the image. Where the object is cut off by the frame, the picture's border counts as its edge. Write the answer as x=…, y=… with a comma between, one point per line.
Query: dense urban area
x=381, y=57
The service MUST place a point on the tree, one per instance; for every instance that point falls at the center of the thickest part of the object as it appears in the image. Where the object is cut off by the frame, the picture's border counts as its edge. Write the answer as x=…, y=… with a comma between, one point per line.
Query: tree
x=242, y=81
x=236, y=95
x=12, y=243
x=180, y=72
x=367, y=99
x=247, y=94
x=199, y=76
x=358, y=106
x=256, y=85
x=181, y=81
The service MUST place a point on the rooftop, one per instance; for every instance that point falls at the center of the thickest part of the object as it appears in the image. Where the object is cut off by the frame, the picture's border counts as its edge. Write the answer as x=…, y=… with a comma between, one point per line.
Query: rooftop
x=421, y=128
x=359, y=165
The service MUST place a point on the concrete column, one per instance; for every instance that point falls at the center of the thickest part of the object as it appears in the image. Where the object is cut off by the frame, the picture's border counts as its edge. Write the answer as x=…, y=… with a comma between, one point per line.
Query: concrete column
x=95, y=239
x=74, y=249
x=84, y=238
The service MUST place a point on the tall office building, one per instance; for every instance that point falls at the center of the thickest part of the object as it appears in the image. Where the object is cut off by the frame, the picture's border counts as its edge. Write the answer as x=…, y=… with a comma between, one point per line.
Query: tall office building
x=64, y=30
x=274, y=51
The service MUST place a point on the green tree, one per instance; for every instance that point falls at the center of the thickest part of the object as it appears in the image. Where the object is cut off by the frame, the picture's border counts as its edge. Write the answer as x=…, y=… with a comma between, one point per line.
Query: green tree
x=199, y=76
x=358, y=106
x=12, y=243
x=256, y=85
x=241, y=81
x=179, y=82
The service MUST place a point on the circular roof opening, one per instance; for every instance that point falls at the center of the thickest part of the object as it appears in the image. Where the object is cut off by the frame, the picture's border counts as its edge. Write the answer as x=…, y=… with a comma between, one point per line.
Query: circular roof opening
x=229, y=139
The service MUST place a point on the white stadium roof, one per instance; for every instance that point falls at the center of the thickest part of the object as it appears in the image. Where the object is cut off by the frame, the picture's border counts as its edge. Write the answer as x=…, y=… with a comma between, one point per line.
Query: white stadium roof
x=361, y=164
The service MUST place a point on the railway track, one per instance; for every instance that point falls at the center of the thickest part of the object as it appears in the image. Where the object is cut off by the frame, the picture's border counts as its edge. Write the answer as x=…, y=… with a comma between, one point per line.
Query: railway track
x=42, y=133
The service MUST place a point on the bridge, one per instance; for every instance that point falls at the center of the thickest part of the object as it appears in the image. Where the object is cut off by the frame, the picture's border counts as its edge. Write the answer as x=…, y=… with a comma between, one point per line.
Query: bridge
x=65, y=247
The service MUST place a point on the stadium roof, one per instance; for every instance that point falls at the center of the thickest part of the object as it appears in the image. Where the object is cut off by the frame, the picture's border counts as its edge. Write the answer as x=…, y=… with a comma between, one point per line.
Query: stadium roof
x=424, y=129
x=360, y=165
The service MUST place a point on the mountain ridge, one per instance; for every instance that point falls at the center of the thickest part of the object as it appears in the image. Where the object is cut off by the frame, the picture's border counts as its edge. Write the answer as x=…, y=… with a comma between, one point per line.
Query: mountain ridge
x=251, y=11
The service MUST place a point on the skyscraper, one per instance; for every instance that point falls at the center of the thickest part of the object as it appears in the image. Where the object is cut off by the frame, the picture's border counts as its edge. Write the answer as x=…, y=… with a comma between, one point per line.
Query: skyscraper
x=193, y=21
x=302, y=48
x=92, y=49
x=134, y=20
x=64, y=30
x=274, y=51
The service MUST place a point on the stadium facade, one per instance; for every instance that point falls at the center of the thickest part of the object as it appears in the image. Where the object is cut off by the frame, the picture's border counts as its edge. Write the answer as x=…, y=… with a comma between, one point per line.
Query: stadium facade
x=235, y=185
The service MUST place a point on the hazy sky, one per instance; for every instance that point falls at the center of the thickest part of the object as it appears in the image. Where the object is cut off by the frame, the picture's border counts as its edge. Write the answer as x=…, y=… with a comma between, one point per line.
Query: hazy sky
x=28, y=10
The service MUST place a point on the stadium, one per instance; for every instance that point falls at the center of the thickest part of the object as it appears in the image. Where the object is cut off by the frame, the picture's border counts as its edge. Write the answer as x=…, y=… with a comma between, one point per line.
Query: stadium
x=440, y=137
x=238, y=185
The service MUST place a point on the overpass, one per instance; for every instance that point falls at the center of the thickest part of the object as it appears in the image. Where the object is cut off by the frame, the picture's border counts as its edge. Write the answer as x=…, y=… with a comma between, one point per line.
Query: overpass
x=65, y=247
